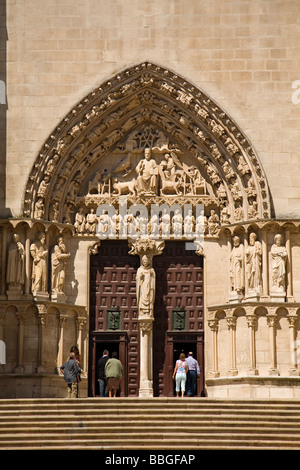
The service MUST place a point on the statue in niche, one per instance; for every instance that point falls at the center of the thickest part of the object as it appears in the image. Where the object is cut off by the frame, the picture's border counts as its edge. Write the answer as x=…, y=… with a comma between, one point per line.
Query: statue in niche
x=147, y=171
x=237, y=267
x=239, y=212
x=80, y=221
x=221, y=191
x=201, y=225
x=177, y=224
x=39, y=209
x=104, y=223
x=189, y=223
x=197, y=183
x=251, y=191
x=213, y=222
x=145, y=287
x=130, y=224
x=253, y=259
x=60, y=256
x=252, y=210
x=171, y=179
x=91, y=222
x=39, y=253
x=141, y=223
x=115, y=224
x=15, y=273
x=225, y=215
x=279, y=258
x=165, y=223
x=42, y=191
x=243, y=166
x=229, y=173
x=153, y=228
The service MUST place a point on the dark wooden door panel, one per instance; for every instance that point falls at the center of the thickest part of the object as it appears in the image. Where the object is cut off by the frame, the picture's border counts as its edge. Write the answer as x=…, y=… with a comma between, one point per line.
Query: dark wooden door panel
x=113, y=277
x=179, y=275
x=179, y=285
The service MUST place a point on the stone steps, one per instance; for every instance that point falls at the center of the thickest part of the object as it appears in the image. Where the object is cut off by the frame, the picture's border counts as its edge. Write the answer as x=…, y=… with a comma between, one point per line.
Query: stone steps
x=149, y=424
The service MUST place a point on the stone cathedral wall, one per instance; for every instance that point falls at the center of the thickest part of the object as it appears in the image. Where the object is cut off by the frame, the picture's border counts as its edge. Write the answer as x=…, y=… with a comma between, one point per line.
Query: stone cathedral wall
x=244, y=55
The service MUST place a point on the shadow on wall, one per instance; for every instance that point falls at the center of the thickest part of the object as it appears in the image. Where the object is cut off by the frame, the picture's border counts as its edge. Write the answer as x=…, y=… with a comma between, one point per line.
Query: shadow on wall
x=4, y=212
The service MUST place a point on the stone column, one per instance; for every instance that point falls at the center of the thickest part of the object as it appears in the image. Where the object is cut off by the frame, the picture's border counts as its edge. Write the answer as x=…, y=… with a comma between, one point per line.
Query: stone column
x=272, y=321
x=265, y=265
x=146, y=348
x=294, y=347
x=231, y=322
x=27, y=266
x=61, y=323
x=3, y=238
x=80, y=324
x=21, y=320
x=146, y=248
x=252, y=321
x=214, y=325
x=42, y=312
x=2, y=344
x=289, y=287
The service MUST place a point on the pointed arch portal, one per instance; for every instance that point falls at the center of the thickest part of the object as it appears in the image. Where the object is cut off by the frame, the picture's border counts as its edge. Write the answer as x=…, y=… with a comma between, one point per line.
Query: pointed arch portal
x=100, y=141
x=199, y=157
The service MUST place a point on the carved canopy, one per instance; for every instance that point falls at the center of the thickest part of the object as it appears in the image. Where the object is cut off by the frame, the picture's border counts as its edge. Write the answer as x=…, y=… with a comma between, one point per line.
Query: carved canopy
x=101, y=140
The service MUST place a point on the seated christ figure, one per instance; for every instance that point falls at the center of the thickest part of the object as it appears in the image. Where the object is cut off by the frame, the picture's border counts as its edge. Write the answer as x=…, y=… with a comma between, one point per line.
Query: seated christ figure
x=147, y=171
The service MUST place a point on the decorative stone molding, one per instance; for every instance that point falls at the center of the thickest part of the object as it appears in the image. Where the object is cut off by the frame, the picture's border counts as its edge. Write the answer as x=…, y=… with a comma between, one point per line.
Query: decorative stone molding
x=146, y=246
x=147, y=106
x=252, y=311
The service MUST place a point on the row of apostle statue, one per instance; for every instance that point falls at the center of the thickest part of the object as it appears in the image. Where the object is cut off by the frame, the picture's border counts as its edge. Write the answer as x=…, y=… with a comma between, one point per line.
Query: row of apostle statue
x=246, y=267
x=114, y=224
x=39, y=251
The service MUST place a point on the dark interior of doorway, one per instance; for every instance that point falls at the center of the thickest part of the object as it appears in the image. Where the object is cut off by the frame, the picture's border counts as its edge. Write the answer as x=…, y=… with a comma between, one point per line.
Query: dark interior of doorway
x=181, y=347
x=100, y=347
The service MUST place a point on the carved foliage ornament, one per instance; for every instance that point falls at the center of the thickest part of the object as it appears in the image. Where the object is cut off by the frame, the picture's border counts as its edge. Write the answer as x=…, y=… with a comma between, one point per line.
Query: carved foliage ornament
x=144, y=106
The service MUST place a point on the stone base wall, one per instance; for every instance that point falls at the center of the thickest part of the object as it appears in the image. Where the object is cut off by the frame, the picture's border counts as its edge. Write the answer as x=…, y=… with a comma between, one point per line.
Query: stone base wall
x=254, y=388
x=37, y=386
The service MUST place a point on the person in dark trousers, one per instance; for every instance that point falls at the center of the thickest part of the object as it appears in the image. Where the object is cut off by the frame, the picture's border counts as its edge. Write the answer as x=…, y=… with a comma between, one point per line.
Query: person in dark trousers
x=101, y=373
x=71, y=371
x=193, y=373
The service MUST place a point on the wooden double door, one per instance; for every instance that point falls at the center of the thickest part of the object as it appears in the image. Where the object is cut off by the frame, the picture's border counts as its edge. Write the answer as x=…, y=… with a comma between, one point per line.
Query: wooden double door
x=178, y=311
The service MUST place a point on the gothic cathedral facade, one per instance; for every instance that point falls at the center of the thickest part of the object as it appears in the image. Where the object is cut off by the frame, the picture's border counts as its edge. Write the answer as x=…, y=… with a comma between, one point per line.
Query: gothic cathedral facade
x=147, y=227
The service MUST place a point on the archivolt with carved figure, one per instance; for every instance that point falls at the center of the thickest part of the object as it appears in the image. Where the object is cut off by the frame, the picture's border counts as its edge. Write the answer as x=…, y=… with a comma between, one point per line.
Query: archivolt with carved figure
x=150, y=135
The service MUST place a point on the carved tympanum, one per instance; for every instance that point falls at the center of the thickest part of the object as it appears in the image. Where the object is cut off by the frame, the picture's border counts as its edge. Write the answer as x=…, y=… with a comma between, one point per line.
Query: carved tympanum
x=99, y=149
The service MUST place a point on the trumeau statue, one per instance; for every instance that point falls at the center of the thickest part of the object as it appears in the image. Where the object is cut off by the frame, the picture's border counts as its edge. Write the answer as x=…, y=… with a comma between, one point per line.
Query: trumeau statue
x=279, y=258
x=15, y=274
x=39, y=253
x=59, y=259
x=145, y=288
x=253, y=260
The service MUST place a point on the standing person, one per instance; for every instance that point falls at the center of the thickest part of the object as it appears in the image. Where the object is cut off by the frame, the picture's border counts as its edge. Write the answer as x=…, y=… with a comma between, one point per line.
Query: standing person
x=101, y=372
x=114, y=374
x=193, y=373
x=77, y=357
x=180, y=374
x=71, y=371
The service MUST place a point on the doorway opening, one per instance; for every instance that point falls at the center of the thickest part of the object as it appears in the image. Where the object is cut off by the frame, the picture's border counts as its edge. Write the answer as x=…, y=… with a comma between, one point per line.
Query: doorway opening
x=101, y=346
x=184, y=347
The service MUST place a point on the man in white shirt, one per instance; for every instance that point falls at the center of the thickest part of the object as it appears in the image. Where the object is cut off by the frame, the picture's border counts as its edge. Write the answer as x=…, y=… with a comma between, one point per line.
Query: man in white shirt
x=193, y=373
